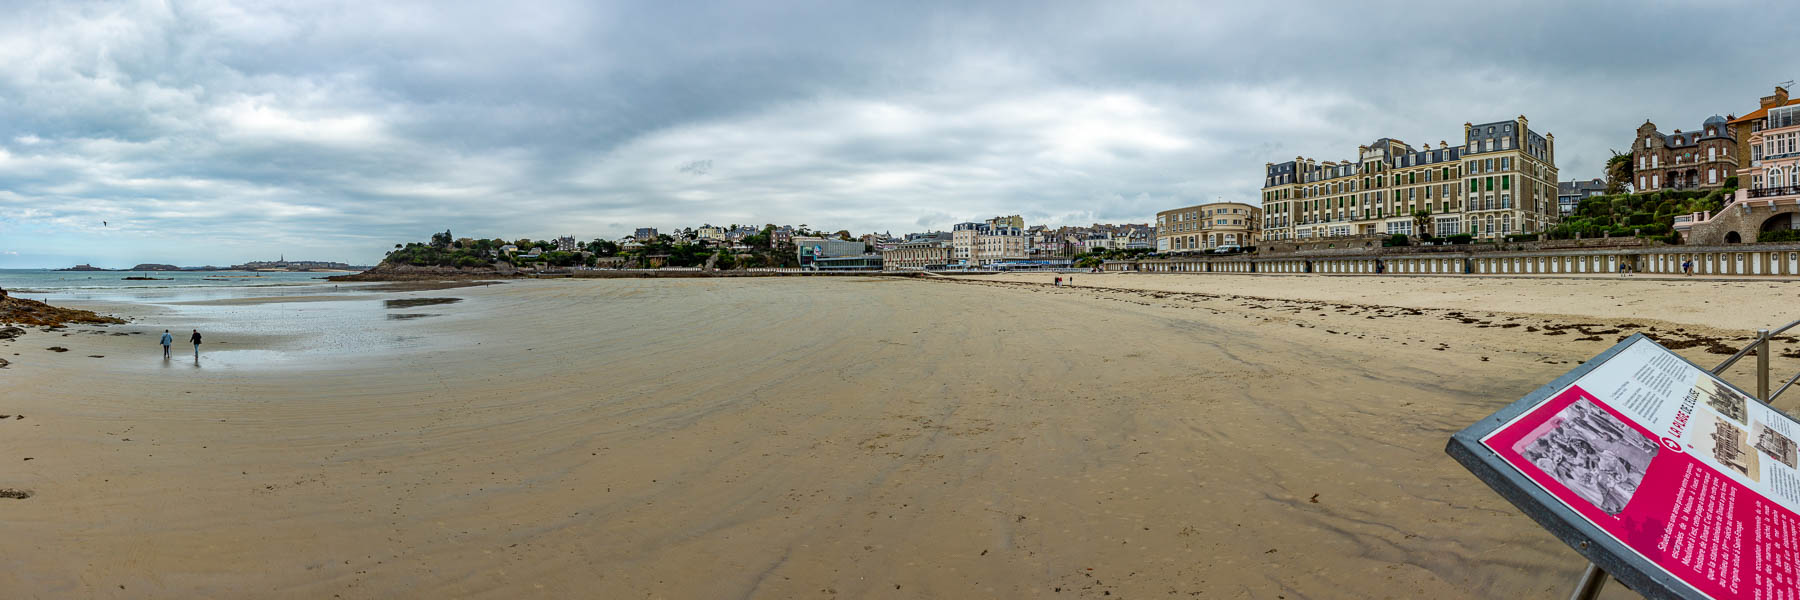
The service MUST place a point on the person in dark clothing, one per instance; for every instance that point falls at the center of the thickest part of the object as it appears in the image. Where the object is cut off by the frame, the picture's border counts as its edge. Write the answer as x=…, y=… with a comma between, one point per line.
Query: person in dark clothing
x=196, y=340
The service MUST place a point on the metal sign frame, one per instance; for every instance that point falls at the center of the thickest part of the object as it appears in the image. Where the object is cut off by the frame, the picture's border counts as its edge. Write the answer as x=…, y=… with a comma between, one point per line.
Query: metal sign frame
x=1584, y=537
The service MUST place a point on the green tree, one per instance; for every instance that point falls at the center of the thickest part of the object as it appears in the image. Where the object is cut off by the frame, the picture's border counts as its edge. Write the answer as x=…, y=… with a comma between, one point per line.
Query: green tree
x=1618, y=172
x=1422, y=223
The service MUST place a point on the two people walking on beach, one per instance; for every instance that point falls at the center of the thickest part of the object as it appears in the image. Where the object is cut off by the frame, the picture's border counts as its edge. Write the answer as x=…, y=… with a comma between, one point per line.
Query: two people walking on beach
x=168, y=340
x=1687, y=268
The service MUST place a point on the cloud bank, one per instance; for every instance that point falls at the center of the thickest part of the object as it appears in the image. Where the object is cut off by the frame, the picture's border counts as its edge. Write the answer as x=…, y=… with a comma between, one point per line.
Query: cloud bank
x=216, y=132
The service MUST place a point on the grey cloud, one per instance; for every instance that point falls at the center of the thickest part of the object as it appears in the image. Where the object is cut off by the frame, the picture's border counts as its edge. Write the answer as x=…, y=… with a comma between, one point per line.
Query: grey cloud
x=335, y=129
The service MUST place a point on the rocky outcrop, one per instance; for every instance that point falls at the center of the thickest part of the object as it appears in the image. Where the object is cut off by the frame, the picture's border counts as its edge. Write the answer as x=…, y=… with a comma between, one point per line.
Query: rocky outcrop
x=32, y=313
x=391, y=272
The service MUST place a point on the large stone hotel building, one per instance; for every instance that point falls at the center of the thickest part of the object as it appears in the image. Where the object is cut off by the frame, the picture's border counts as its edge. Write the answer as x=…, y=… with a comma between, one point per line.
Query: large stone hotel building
x=1501, y=180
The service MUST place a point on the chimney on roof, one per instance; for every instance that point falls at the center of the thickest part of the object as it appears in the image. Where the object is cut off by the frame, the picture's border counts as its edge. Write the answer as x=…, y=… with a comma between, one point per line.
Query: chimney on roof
x=1777, y=99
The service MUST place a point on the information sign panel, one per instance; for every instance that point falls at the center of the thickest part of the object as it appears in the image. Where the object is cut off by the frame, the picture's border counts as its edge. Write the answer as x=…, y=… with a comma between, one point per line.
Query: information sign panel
x=1668, y=477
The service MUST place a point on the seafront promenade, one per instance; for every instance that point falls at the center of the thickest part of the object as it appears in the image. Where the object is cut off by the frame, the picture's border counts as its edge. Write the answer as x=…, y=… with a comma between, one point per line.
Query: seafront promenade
x=1759, y=260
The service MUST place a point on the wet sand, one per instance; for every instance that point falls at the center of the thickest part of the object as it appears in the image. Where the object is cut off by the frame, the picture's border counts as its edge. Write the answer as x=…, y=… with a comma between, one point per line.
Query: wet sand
x=820, y=437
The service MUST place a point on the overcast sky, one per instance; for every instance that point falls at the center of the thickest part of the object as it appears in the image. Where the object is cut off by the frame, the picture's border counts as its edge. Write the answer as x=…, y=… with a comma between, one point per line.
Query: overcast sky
x=205, y=132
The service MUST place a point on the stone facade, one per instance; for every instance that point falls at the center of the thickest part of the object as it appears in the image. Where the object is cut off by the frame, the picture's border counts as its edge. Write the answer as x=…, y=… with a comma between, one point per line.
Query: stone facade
x=1500, y=180
x=1740, y=222
x=1699, y=159
x=1001, y=244
x=916, y=256
x=1207, y=226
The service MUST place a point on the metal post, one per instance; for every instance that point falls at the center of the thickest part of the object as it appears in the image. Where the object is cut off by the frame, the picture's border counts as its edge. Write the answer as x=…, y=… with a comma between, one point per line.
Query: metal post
x=1588, y=588
x=1762, y=365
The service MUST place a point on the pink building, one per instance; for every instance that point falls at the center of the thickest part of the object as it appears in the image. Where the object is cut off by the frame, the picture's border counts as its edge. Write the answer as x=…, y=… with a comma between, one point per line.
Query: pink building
x=1768, y=198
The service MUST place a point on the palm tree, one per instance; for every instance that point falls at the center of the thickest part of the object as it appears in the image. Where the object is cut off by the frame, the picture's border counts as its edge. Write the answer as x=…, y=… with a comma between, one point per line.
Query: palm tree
x=1422, y=223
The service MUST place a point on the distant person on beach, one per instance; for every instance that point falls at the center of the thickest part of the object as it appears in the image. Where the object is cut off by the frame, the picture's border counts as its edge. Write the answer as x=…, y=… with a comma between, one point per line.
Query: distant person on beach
x=1059, y=282
x=167, y=340
x=196, y=340
x=1687, y=267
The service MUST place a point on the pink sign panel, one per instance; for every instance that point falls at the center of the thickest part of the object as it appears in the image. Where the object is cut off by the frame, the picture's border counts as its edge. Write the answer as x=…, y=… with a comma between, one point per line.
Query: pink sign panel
x=1692, y=475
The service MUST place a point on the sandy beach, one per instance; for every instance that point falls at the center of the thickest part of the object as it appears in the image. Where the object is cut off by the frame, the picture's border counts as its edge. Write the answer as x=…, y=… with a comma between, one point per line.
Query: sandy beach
x=992, y=437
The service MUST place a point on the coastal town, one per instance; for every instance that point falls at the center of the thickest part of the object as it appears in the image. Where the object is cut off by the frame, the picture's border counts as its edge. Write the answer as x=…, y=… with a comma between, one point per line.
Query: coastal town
x=1722, y=198
x=735, y=299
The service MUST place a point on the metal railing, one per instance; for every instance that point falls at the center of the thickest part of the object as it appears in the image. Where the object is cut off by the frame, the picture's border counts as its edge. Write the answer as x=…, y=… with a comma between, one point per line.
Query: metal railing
x=1775, y=190
x=1761, y=347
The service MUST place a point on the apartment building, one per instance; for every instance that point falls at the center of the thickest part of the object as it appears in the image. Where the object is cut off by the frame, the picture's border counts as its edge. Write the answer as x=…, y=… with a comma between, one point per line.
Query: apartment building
x=1015, y=222
x=1774, y=170
x=1570, y=193
x=1500, y=180
x=1207, y=226
x=999, y=244
x=963, y=240
x=1742, y=127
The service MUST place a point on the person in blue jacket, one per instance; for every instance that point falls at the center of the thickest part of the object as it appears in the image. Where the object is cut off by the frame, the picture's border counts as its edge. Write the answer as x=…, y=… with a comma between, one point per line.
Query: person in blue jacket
x=166, y=341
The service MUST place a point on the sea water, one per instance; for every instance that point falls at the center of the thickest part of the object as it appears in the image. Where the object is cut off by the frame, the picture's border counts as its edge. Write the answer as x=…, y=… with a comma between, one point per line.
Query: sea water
x=297, y=319
x=53, y=284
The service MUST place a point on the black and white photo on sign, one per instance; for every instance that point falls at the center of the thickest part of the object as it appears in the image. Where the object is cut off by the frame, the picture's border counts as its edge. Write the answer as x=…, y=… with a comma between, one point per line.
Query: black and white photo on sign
x=1591, y=452
x=1775, y=445
x=1722, y=398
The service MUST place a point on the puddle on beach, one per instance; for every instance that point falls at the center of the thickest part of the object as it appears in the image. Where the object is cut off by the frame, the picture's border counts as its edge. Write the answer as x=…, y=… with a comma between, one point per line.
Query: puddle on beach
x=408, y=316
x=412, y=302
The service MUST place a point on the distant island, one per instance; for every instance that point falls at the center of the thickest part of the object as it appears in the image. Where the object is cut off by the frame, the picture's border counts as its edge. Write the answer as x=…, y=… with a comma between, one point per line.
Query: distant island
x=279, y=265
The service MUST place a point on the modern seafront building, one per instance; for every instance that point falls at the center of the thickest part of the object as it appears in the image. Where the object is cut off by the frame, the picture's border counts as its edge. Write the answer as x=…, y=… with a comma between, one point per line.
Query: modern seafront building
x=826, y=254
x=1207, y=226
x=1500, y=180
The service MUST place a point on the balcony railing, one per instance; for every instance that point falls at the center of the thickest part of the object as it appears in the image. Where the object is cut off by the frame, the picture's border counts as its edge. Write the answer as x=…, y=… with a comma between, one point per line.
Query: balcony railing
x=1779, y=190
